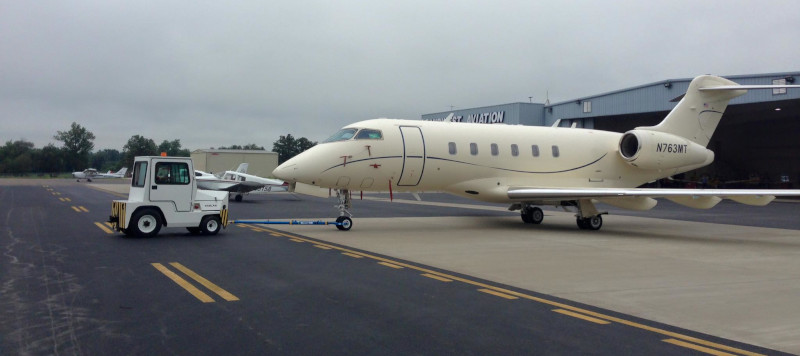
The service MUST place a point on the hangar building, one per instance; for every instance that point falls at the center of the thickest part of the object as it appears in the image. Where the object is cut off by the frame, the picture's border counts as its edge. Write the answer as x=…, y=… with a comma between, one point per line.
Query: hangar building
x=757, y=143
x=261, y=163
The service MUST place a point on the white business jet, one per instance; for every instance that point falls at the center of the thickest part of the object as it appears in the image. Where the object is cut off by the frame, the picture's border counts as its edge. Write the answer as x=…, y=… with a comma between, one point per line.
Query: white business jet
x=91, y=173
x=527, y=166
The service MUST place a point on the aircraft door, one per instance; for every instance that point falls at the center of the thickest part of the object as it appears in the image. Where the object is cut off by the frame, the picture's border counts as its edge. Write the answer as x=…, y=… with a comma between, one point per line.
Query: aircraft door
x=413, y=156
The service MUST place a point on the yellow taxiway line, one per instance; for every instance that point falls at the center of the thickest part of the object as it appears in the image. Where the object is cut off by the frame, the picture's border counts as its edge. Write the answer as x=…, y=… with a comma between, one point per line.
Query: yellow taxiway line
x=486, y=288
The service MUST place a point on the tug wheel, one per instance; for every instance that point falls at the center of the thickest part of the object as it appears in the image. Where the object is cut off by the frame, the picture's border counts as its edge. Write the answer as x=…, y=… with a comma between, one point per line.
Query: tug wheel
x=145, y=223
x=210, y=225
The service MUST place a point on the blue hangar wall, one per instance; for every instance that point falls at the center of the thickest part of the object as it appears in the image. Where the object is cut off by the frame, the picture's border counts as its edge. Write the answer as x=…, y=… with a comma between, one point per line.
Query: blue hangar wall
x=755, y=142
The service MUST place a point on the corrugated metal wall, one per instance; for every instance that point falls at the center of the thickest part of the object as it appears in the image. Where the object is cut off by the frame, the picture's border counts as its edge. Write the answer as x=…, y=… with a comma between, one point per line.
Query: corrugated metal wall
x=512, y=114
x=652, y=97
x=657, y=97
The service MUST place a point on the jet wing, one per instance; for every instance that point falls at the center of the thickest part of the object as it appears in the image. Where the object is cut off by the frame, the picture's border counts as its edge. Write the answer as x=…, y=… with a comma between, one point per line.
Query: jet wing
x=696, y=198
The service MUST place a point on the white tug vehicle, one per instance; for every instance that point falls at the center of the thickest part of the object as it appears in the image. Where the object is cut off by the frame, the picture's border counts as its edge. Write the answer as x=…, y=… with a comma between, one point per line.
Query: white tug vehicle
x=164, y=193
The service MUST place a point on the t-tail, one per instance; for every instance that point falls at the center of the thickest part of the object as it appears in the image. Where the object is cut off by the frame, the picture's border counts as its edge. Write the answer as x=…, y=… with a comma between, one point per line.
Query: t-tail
x=697, y=115
x=678, y=143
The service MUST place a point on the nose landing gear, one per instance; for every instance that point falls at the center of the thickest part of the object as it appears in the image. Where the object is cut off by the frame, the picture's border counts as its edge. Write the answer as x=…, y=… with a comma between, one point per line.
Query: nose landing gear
x=344, y=222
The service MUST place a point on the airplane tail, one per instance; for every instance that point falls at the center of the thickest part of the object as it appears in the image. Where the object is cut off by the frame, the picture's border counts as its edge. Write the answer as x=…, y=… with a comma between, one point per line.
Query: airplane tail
x=122, y=171
x=698, y=113
x=242, y=168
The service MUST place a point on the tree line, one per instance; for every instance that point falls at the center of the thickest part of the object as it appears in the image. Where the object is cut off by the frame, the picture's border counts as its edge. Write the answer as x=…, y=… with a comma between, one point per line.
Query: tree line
x=76, y=153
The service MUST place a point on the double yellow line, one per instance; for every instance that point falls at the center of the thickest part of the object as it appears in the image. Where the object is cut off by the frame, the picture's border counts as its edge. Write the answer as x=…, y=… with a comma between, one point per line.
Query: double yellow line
x=189, y=287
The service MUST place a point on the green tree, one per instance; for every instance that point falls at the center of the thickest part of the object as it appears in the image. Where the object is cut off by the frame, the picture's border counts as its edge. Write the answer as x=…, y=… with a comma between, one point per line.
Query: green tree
x=51, y=159
x=21, y=164
x=249, y=146
x=106, y=159
x=77, y=144
x=253, y=146
x=138, y=146
x=173, y=148
x=287, y=147
x=16, y=157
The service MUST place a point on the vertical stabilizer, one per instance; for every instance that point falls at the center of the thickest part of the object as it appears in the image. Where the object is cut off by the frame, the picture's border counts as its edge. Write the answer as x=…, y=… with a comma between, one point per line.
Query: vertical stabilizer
x=697, y=115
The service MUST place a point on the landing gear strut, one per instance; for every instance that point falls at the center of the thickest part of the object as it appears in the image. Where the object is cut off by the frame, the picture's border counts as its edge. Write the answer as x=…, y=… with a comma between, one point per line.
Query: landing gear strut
x=343, y=195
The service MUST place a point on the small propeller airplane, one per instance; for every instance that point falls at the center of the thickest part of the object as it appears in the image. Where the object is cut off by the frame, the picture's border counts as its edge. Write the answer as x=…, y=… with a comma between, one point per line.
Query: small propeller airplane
x=529, y=166
x=238, y=182
x=91, y=173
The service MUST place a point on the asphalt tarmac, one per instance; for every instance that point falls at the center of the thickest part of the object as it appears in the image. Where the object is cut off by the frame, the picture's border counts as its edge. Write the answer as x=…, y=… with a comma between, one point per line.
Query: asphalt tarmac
x=442, y=276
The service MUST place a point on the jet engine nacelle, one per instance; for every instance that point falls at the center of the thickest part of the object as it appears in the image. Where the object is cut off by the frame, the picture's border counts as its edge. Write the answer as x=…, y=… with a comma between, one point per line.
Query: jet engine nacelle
x=658, y=150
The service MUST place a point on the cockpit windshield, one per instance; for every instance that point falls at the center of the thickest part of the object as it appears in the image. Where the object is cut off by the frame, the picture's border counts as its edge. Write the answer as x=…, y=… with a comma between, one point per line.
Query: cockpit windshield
x=342, y=135
x=363, y=134
x=367, y=134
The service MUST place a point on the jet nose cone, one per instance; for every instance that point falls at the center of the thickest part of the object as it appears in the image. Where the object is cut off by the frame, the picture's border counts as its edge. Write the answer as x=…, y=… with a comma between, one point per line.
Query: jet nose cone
x=286, y=171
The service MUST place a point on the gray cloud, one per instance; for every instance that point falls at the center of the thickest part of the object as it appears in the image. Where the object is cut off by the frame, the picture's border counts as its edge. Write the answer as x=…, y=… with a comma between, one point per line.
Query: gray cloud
x=214, y=74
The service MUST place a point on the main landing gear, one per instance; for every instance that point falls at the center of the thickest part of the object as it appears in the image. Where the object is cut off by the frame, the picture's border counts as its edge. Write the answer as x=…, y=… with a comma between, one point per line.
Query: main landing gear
x=587, y=217
x=531, y=215
x=590, y=223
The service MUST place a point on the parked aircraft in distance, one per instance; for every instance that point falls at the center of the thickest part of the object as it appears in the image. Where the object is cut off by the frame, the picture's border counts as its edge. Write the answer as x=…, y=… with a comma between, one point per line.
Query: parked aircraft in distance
x=91, y=173
x=238, y=182
x=528, y=166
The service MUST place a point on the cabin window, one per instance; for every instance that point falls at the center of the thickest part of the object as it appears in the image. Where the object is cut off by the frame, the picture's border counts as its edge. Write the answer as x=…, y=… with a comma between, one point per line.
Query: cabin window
x=495, y=150
x=452, y=147
x=535, y=150
x=473, y=149
x=367, y=134
x=514, y=150
x=342, y=135
x=555, y=151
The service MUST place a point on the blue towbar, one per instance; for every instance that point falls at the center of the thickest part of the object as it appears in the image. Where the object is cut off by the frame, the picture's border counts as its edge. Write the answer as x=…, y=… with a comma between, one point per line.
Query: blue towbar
x=343, y=223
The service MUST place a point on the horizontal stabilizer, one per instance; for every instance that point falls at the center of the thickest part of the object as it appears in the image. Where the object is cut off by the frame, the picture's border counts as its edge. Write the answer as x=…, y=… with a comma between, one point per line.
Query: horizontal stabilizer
x=747, y=87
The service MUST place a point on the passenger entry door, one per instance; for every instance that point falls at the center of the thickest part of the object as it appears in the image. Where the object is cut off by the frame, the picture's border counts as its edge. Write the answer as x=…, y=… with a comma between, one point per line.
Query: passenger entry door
x=413, y=156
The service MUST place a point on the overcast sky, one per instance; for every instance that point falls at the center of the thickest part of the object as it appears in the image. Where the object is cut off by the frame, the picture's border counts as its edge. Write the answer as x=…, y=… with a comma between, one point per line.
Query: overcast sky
x=214, y=73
